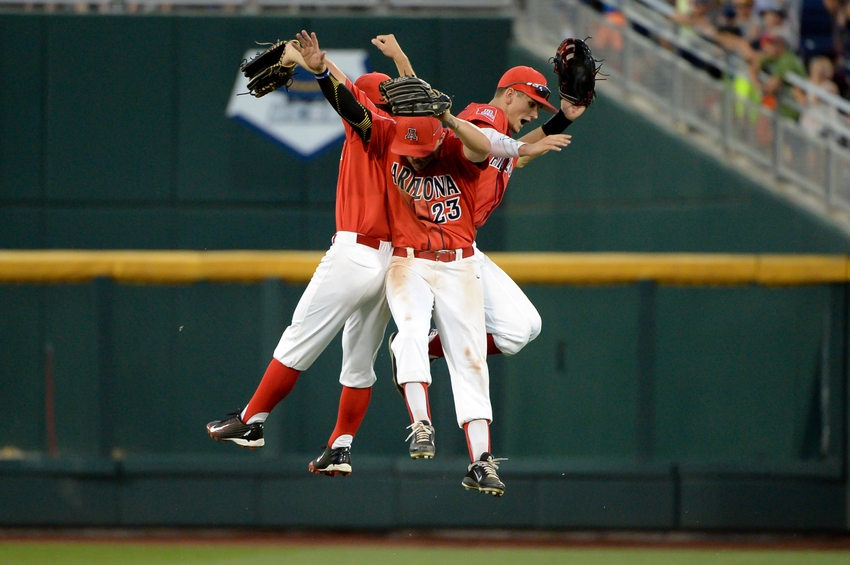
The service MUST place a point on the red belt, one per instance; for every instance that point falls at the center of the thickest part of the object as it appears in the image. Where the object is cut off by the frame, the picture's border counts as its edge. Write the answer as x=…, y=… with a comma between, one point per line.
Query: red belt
x=367, y=241
x=442, y=255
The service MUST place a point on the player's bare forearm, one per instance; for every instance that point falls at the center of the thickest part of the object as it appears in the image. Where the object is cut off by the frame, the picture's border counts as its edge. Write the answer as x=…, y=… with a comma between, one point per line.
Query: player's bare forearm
x=404, y=67
x=336, y=71
x=533, y=136
x=476, y=146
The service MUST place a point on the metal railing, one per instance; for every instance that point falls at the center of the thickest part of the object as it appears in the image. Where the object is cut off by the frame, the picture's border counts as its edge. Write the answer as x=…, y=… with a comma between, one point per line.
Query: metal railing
x=697, y=84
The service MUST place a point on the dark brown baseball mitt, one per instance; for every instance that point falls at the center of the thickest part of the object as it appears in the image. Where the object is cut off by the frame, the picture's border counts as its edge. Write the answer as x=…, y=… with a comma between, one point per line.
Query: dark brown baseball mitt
x=266, y=72
x=576, y=69
x=412, y=96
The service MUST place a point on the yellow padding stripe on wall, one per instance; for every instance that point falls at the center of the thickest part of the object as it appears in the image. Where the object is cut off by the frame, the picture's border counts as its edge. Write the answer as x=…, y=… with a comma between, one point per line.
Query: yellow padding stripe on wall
x=164, y=267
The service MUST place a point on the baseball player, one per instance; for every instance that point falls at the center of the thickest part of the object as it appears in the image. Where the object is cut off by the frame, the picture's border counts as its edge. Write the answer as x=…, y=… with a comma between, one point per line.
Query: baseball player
x=369, y=84
x=433, y=265
x=511, y=319
x=347, y=288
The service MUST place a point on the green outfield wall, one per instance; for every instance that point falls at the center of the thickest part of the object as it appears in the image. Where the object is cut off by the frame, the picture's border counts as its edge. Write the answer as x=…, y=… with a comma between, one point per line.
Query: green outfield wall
x=645, y=406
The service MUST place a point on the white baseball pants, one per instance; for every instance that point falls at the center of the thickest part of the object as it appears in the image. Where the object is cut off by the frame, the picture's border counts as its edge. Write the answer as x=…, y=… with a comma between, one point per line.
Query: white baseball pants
x=509, y=315
x=453, y=290
x=348, y=288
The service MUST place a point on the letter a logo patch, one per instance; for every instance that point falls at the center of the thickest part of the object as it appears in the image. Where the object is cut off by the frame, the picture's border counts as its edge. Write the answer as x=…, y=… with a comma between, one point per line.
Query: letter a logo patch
x=411, y=134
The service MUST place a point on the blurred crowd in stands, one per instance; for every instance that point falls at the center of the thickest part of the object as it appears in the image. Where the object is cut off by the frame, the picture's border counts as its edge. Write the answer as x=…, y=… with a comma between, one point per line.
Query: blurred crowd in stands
x=810, y=38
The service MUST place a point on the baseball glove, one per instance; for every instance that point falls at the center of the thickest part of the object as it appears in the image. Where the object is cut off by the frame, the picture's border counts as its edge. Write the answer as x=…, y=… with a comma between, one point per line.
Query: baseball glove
x=576, y=69
x=412, y=96
x=266, y=72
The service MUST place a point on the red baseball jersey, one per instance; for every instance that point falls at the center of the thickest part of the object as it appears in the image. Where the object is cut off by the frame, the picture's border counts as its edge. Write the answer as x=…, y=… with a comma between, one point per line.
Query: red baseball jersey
x=361, y=191
x=434, y=208
x=494, y=180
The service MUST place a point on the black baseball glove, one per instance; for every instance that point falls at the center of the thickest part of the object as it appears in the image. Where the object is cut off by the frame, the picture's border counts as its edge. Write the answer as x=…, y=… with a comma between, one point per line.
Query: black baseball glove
x=266, y=72
x=412, y=96
x=576, y=69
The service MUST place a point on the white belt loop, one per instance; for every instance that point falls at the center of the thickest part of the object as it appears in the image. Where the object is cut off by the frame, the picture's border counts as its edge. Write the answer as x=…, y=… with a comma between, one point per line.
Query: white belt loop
x=410, y=253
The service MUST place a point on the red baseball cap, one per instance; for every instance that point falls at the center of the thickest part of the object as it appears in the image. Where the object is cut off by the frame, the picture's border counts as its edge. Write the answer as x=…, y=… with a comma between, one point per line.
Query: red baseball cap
x=529, y=82
x=369, y=82
x=416, y=137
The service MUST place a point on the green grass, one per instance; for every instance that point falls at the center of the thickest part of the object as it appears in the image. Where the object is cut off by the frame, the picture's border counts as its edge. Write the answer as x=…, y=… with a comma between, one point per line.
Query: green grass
x=125, y=553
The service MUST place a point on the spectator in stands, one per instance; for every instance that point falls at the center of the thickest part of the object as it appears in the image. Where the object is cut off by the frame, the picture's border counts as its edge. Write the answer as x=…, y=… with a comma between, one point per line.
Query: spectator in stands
x=608, y=32
x=816, y=115
x=740, y=27
x=746, y=22
x=767, y=72
x=698, y=16
x=770, y=22
x=698, y=20
x=839, y=12
x=774, y=17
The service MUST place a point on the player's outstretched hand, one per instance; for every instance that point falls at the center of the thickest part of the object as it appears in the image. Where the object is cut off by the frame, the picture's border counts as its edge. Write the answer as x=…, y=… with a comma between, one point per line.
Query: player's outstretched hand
x=572, y=111
x=314, y=57
x=548, y=143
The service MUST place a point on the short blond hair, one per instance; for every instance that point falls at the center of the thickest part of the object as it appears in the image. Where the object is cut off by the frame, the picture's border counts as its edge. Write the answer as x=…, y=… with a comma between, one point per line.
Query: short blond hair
x=823, y=64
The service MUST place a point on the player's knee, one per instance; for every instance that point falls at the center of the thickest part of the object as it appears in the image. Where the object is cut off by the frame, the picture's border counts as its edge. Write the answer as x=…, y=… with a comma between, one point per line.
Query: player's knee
x=535, y=324
x=358, y=380
x=523, y=331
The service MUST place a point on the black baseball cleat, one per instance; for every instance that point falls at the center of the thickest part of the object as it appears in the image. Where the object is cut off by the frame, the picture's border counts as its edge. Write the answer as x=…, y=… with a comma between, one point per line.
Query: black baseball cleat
x=232, y=429
x=394, y=369
x=422, y=442
x=333, y=462
x=481, y=476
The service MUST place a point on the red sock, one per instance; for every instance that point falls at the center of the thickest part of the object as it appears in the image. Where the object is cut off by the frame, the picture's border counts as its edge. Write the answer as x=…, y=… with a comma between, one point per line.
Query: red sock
x=435, y=347
x=353, y=403
x=491, y=346
x=277, y=383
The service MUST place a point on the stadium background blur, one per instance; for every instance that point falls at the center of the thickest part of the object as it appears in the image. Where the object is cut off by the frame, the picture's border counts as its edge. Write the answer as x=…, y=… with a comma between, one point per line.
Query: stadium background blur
x=642, y=406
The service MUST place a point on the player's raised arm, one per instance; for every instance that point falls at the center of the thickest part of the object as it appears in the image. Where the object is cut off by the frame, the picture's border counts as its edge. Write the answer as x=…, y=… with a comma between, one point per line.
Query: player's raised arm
x=388, y=45
x=504, y=146
x=476, y=146
x=342, y=100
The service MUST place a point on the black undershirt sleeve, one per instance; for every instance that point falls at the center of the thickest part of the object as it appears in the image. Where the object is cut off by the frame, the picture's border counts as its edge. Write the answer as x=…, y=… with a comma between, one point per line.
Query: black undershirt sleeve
x=347, y=106
x=556, y=124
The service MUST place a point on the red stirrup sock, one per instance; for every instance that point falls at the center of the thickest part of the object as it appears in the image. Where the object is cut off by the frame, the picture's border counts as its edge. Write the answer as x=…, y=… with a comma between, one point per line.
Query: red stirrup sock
x=353, y=403
x=491, y=346
x=276, y=384
x=435, y=347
